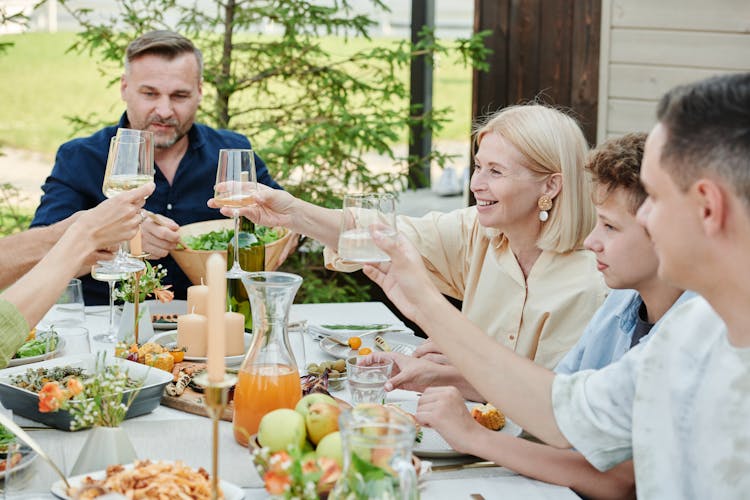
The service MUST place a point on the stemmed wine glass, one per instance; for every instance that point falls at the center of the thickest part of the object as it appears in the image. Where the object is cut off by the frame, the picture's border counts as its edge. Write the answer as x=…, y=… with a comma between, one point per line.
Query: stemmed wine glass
x=235, y=184
x=102, y=273
x=129, y=166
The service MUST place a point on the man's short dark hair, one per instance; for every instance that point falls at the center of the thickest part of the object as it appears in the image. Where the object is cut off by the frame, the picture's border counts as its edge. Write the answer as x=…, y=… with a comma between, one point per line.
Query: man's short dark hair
x=164, y=43
x=616, y=164
x=707, y=125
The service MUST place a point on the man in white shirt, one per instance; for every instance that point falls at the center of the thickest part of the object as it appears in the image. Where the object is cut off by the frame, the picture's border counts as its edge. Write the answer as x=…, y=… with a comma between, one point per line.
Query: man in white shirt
x=680, y=405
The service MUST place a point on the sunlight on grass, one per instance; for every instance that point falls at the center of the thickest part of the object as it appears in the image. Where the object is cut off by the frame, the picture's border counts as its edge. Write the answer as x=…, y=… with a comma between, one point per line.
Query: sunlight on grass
x=41, y=84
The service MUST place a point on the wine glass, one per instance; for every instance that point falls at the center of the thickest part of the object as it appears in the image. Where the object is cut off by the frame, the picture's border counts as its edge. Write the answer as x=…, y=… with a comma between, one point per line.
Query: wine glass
x=235, y=184
x=129, y=166
x=103, y=273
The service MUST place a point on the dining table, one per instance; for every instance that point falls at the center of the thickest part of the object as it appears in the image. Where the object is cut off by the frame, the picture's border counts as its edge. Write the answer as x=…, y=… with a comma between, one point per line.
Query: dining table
x=170, y=434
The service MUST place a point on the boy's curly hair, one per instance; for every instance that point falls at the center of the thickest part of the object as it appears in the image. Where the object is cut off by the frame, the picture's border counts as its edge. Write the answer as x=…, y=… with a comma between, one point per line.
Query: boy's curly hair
x=616, y=164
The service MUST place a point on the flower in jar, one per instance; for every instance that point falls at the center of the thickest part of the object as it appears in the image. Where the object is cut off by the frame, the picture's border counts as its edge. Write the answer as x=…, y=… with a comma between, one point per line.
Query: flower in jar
x=277, y=482
x=74, y=386
x=330, y=472
x=50, y=397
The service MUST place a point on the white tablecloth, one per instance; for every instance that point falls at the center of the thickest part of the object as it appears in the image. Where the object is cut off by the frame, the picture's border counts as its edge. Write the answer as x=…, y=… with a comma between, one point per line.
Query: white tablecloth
x=171, y=434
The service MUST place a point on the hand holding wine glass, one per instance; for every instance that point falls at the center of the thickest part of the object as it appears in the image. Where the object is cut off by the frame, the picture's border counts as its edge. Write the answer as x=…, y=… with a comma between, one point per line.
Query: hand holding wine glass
x=235, y=184
x=129, y=166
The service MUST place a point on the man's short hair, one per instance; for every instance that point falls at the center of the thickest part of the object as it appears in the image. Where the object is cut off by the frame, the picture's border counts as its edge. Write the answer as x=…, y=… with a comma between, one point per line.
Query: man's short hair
x=164, y=43
x=616, y=164
x=707, y=127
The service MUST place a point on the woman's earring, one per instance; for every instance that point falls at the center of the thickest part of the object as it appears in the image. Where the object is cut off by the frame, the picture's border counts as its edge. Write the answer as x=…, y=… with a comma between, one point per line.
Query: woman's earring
x=544, y=204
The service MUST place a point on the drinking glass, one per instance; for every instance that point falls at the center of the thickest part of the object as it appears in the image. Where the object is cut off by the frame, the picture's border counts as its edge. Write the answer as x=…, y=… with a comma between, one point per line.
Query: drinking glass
x=69, y=308
x=361, y=214
x=76, y=340
x=129, y=166
x=18, y=471
x=235, y=184
x=367, y=382
x=111, y=276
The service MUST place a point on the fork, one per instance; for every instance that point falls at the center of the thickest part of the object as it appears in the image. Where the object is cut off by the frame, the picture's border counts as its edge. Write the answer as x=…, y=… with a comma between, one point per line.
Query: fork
x=399, y=348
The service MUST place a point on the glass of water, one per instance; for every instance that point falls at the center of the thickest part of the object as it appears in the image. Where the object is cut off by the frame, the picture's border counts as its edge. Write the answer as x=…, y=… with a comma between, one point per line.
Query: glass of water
x=361, y=214
x=68, y=310
x=367, y=382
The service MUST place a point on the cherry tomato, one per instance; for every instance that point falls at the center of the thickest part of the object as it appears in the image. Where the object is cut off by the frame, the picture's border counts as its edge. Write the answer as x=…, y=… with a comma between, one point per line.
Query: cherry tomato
x=355, y=342
x=365, y=351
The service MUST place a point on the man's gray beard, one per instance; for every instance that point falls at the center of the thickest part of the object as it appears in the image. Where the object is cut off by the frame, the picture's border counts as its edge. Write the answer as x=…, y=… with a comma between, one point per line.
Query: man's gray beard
x=168, y=144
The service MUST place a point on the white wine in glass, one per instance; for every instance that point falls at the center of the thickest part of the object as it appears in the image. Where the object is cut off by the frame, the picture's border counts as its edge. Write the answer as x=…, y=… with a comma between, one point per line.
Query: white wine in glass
x=236, y=183
x=129, y=166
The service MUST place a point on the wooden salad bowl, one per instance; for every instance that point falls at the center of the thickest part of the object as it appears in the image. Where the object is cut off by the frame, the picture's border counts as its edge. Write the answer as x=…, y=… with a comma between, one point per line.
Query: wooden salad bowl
x=193, y=262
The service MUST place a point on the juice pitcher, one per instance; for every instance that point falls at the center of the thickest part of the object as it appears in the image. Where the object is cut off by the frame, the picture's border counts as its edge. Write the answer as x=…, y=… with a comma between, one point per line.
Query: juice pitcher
x=268, y=378
x=377, y=455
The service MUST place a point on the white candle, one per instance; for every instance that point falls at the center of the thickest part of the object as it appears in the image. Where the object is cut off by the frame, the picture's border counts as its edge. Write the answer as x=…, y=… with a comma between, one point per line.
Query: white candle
x=197, y=299
x=234, y=324
x=191, y=334
x=217, y=305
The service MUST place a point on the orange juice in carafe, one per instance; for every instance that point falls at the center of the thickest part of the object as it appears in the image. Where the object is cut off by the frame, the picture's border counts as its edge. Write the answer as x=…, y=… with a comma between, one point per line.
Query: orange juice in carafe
x=268, y=378
x=259, y=391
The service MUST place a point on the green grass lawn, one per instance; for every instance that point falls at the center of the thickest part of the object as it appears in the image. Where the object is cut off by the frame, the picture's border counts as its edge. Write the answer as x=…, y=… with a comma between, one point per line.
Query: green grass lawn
x=41, y=84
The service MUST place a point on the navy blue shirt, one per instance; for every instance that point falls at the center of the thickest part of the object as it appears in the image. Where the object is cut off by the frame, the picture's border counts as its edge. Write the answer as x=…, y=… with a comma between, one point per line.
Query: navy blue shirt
x=76, y=184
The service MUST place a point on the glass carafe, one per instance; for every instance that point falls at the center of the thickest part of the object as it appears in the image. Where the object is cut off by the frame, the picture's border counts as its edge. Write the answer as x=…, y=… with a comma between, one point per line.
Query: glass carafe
x=377, y=455
x=268, y=378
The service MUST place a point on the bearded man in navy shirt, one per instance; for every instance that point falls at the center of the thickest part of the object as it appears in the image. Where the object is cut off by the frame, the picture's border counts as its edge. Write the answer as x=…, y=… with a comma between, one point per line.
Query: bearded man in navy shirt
x=162, y=88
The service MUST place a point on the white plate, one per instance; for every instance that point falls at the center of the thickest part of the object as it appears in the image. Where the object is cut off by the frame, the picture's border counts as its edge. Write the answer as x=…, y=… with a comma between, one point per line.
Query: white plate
x=340, y=351
x=176, y=306
x=231, y=491
x=27, y=458
x=41, y=357
x=433, y=445
x=169, y=339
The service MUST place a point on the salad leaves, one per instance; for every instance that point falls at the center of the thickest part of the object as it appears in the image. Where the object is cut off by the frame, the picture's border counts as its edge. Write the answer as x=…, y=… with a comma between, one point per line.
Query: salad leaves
x=219, y=240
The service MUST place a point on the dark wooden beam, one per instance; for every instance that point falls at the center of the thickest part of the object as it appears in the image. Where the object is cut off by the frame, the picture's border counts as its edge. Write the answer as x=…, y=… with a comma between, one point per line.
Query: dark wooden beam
x=420, y=144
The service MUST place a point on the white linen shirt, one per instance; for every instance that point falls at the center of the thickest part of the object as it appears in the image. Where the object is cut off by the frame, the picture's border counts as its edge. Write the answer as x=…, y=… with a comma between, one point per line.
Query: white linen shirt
x=678, y=405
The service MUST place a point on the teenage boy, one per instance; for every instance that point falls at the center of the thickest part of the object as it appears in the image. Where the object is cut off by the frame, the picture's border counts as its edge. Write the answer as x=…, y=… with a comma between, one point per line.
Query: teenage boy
x=678, y=406
x=626, y=258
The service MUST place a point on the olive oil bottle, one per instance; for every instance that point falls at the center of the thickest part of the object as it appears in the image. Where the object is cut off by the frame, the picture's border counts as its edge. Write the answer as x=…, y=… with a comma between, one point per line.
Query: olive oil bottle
x=252, y=257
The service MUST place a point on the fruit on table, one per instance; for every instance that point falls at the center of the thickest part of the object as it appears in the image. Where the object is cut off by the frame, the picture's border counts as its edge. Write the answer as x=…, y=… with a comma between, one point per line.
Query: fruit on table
x=303, y=406
x=330, y=447
x=355, y=342
x=280, y=428
x=364, y=351
x=321, y=420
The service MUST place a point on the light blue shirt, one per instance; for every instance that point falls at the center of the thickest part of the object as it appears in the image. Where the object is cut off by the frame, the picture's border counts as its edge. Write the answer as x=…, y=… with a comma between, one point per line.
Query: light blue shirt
x=608, y=335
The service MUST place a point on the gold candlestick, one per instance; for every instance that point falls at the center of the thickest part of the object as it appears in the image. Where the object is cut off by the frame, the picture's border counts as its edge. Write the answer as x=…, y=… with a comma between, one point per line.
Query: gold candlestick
x=215, y=396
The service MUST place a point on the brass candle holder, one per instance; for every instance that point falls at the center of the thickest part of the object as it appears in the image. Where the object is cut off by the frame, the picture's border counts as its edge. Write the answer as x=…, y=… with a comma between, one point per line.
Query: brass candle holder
x=215, y=397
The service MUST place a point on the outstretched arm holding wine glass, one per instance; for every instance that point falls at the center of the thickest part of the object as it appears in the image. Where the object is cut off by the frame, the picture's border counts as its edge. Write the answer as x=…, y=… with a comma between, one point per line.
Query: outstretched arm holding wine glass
x=274, y=207
x=25, y=302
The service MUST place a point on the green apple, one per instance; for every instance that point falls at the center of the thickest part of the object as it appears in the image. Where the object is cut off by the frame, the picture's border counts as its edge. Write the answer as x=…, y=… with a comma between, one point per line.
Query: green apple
x=321, y=420
x=316, y=397
x=280, y=428
x=330, y=447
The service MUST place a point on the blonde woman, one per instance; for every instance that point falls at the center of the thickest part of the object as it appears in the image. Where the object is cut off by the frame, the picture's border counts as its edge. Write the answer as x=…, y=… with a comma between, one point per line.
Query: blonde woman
x=516, y=259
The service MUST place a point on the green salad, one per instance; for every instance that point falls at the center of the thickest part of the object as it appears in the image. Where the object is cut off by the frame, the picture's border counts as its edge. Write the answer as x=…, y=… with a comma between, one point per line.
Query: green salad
x=219, y=240
x=38, y=346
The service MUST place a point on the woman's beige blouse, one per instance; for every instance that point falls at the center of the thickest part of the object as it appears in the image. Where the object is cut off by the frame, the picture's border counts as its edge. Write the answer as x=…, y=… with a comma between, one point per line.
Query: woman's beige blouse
x=540, y=318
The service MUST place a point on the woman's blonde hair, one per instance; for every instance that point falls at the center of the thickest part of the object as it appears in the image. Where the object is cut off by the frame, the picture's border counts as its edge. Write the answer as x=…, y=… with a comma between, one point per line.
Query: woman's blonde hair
x=551, y=142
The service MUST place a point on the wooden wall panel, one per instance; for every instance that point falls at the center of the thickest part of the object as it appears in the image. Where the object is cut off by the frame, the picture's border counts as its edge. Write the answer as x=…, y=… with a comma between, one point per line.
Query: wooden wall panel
x=680, y=48
x=637, y=81
x=696, y=15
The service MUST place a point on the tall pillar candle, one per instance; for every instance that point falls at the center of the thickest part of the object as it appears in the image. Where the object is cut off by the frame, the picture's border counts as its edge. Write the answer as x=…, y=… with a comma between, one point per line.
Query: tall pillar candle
x=192, y=331
x=216, y=307
x=234, y=324
x=197, y=299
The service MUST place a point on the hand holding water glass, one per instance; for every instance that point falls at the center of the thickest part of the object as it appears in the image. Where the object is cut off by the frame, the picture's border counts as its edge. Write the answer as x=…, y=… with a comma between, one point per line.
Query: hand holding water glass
x=363, y=213
x=367, y=382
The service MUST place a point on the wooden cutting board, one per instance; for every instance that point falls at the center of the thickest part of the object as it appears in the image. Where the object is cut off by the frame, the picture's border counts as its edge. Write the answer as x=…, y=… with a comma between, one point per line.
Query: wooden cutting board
x=191, y=401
